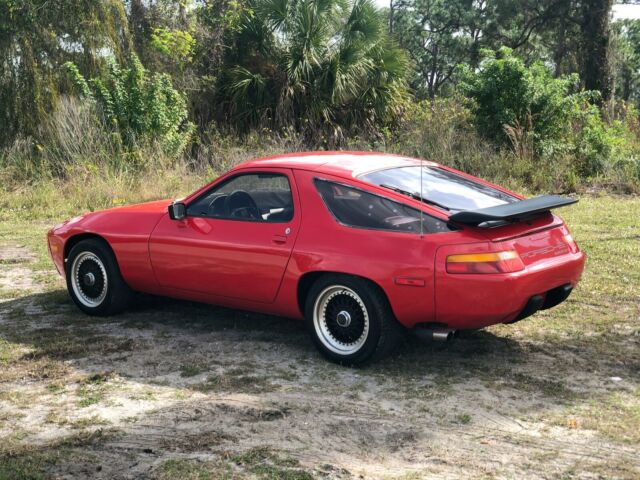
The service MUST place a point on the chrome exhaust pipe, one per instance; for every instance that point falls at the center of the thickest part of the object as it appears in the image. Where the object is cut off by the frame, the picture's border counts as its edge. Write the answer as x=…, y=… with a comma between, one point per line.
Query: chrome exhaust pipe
x=437, y=335
x=443, y=335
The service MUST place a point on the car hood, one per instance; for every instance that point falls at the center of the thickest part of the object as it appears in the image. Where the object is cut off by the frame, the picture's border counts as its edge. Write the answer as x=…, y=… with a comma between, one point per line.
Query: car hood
x=139, y=217
x=157, y=206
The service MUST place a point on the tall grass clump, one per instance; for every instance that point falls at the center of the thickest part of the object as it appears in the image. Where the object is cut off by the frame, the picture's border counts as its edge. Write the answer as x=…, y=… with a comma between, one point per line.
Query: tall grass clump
x=77, y=163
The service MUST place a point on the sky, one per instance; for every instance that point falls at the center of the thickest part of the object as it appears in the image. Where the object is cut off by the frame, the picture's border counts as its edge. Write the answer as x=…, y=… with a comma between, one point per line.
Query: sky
x=619, y=11
x=623, y=11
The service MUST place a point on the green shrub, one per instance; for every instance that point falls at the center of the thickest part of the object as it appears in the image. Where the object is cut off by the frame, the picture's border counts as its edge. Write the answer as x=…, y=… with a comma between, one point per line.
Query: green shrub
x=143, y=109
x=553, y=129
x=591, y=152
x=177, y=45
x=509, y=97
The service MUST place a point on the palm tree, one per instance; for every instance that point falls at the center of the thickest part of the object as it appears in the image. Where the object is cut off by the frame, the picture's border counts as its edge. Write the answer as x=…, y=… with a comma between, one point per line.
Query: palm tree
x=321, y=66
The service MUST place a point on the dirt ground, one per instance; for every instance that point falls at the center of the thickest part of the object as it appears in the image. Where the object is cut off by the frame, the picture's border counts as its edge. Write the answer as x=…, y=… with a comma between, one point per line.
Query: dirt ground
x=179, y=390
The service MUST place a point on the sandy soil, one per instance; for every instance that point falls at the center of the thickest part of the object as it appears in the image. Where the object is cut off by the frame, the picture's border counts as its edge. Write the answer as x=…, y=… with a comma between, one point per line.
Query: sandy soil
x=171, y=381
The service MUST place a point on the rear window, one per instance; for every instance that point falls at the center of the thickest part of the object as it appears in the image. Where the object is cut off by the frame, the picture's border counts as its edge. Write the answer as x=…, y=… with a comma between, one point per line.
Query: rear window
x=356, y=208
x=448, y=189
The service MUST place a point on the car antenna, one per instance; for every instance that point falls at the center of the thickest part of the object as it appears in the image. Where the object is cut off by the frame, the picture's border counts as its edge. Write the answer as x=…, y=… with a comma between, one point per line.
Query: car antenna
x=421, y=197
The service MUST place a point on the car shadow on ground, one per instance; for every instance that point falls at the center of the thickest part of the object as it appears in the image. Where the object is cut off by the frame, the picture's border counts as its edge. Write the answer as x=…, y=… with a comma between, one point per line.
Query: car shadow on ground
x=51, y=325
x=39, y=319
x=171, y=377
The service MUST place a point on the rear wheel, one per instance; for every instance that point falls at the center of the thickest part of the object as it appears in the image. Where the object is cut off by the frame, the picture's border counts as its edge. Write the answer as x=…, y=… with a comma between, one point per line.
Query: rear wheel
x=350, y=320
x=93, y=279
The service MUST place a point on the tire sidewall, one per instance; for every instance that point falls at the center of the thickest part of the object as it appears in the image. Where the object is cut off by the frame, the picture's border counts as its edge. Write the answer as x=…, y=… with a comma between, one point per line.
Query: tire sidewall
x=364, y=291
x=113, y=275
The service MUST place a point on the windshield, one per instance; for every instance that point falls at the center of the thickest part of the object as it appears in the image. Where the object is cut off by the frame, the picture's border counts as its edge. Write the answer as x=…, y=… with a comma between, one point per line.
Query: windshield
x=440, y=187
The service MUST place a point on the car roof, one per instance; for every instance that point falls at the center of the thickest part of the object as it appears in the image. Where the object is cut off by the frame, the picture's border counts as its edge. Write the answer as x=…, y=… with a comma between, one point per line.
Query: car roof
x=343, y=164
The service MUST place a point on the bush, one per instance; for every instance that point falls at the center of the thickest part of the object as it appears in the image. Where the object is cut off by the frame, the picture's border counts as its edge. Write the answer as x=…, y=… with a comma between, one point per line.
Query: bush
x=591, y=153
x=143, y=109
x=69, y=138
x=513, y=102
x=550, y=125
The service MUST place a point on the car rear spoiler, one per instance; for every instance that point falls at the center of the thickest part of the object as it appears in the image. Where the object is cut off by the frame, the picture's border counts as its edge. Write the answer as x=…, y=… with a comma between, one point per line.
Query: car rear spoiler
x=512, y=212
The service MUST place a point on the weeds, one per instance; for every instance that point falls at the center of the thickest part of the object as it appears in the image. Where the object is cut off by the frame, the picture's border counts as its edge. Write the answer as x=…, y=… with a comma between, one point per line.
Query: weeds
x=234, y=380
x=192, y=369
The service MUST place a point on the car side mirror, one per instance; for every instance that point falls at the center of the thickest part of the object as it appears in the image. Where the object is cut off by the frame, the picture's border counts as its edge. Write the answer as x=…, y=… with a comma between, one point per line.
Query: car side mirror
x=177, y=211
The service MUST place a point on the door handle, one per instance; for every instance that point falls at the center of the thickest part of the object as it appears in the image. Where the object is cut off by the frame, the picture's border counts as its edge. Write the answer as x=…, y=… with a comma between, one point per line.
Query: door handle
x=279, y=239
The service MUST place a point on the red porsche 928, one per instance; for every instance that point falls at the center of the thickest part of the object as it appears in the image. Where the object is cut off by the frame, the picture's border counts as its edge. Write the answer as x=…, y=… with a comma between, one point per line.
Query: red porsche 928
x=363, y=246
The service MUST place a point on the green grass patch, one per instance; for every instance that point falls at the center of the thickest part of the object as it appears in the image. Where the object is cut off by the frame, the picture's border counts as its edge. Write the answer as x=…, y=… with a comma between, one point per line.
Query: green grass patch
x=239, y=379
x=193, y=469
x=31, y=466
x=259, y=463
x=93, y=389
x=9, y=351
x=265, y=463
x=617, y=416
x=192, y=369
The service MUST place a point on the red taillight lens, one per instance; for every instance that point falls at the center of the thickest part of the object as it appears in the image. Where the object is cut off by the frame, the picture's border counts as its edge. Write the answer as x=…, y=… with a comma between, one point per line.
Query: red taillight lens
x=498, y=262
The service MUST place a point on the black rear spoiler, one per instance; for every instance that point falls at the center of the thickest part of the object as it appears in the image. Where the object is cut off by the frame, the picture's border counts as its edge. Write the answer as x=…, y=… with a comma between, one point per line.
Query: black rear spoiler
x=512, y=212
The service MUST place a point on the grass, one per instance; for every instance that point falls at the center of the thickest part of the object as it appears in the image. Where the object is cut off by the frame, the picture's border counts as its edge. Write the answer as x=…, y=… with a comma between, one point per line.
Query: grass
x=260, y=463
x=463, y=418
x=264, y=463
x=236, y=380
x=608, y=230
x=93, y=389
x=560, y=361
x=30, y=462
x=26, y=466
x=192, y=369
x=616, y=416
x=9, y=352
x=89, y=397
x=192, y=469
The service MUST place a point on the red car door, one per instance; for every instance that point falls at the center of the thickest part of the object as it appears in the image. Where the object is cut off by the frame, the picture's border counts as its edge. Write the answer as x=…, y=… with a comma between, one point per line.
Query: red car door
x=236, y=239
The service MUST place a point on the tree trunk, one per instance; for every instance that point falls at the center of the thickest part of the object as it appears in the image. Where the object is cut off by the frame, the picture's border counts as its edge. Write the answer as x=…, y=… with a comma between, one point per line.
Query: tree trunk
x=596, y=71
x=560, y=50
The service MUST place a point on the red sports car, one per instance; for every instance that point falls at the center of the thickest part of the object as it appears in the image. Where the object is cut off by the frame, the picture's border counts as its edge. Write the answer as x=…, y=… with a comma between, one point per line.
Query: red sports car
x=364, y=246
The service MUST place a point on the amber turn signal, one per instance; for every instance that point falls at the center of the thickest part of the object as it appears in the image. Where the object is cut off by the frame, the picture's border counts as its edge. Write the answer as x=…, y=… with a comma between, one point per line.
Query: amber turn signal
x=494, y=262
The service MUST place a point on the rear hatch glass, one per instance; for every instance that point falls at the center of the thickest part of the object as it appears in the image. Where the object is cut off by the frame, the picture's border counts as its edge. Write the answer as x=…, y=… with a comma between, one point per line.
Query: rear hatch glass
x=535, y=239
x=447, y=189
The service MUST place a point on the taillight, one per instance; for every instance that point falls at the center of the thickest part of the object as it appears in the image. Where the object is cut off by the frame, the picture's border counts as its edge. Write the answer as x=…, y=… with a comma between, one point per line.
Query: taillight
x=573, y=246
x=497, y=262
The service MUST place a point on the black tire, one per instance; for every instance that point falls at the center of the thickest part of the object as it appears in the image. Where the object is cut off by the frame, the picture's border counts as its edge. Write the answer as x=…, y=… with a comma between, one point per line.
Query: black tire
x=335, y=318
x=99, y=289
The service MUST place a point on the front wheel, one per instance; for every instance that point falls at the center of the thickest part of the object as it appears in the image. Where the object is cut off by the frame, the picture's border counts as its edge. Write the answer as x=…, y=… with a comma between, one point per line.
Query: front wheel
x=93, y=279
x=350, y=320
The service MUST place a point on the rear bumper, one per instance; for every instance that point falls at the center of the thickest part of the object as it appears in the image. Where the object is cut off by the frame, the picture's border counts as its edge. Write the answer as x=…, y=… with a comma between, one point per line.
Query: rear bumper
x=476, y=301
x=550, y=299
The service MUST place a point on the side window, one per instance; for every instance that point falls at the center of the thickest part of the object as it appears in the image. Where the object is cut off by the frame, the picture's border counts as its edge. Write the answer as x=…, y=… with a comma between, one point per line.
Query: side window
x=255, y=197
x=356, y=208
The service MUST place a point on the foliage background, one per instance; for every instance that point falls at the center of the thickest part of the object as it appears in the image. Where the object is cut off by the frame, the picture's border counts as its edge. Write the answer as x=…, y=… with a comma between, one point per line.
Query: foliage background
x=538, y=95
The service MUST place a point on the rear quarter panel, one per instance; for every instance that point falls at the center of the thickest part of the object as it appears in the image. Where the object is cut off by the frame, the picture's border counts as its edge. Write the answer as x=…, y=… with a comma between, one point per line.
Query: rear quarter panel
x=324, y=245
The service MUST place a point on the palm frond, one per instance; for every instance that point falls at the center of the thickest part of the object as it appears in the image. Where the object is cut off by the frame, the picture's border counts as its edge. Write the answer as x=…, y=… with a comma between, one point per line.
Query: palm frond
x=331, y=68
